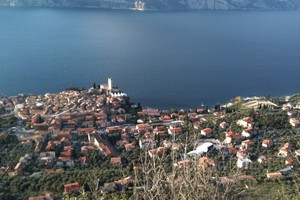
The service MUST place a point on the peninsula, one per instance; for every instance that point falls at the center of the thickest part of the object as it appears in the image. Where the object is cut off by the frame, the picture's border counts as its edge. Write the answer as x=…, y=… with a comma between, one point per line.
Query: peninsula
x=96, y=144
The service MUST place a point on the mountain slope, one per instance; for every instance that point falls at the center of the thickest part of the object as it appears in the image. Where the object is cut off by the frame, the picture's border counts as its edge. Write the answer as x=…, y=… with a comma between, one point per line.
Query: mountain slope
x=164, y=4
x=223, y=4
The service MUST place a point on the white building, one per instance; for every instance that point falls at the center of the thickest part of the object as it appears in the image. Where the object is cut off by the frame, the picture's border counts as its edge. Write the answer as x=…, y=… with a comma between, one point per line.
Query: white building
x=243, y=163
x=246, y=122
x=203, y=148
x=147, y=143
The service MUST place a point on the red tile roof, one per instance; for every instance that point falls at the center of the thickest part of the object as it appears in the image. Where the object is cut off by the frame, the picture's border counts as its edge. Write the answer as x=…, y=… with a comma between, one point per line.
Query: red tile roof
x=116, y=160
x=130, y=146
x=71, y=187
x=64, y=159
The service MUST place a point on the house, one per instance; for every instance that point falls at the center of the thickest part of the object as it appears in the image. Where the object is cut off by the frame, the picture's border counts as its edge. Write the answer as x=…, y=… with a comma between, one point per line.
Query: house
x=233, y=135
x=246, y=178
x=129, y=146
x=274, y=175
x=170, y=145
x=71, y=124
x=40, y=138
x=287, y=146
x=206, y=131
x=54, y=171
x=289, y=161
x=243, y=163
x=226, y=180
x=41, y=126
x=287, y=106
x=4, y=170
x=87, y=150
x=104, y=146
x=151, y=112
x=71, y=187
x=147, y=143
x=288, y=170
x=201, y=149
x=160, y=130
x=68, y=153
x=121, y=142
x=165, y=118
x=27, y=143
x=197, y=126
x=192, y=115
x=101, y=123
x=248, y=132
x=262, y=159
x=266, y=143
x=205, y=163
x=111, y=187
x=290, y=113
x=20, y=166
x=285, y=150
x=176, y=147
x=85, y=130
x=228, y=140
x=16, y=173
x=38, y=147
x=231, y=150
x=116, y=160
x=96, y=139
x=295, y=122
x=246, y=144
x=84, y=160
x=182, y=164
x=297, y=152
x=167, y=144
x=175, y=131
x=175, y=124
x=126, y=180
x=63, y=134
x=148, y=135
x=65, y=161
x=223, y=125
x=246, y=122
x=125, y=136
x=101, y=116
x=242, y=154
x=114, y=130
x=107, y=150
x=47, y=157
x=51, y=145
x=143, y=128
x=87, y=124
x=25, y=158
x=201, y=111
x=47, y=196
x=154, y=152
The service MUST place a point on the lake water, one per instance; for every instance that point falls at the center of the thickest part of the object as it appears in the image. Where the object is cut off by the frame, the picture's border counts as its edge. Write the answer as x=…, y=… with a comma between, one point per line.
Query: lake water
x=161, y=59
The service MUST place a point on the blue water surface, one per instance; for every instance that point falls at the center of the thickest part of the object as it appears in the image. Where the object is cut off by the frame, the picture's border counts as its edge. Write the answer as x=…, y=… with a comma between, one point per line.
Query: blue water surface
x=161, y=59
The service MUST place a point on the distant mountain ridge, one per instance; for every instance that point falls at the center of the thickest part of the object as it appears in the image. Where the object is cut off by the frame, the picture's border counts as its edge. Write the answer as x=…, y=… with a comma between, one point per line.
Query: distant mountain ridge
x=163, y=4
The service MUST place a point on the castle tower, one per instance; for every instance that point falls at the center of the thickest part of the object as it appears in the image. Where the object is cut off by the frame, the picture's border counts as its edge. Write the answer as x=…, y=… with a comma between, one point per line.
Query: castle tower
x=110, y=84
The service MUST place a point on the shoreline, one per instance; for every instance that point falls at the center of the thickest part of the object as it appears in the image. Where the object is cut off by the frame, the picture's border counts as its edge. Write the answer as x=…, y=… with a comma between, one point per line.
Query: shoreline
x=201, y=105
x=149, y=9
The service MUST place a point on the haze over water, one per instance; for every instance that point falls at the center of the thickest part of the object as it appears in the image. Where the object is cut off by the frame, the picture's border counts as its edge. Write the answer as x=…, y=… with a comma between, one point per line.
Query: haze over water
x=161, y=59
